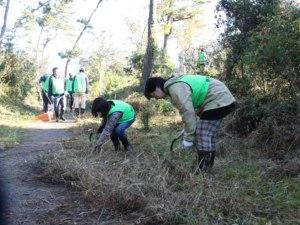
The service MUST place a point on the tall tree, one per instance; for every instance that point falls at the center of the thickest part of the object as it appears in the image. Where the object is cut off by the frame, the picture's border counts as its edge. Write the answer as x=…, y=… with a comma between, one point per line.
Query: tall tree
x=169, y=13
x=242, y=17
x=148, y=60
x=74, y=52
x=3, y=29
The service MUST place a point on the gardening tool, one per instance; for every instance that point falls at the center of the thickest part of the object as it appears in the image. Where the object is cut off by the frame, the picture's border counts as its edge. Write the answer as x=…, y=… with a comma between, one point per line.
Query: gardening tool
x=178, y=137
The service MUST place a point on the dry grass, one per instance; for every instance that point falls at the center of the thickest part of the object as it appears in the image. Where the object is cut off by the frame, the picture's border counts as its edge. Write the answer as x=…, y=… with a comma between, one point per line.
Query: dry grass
x=151, y=186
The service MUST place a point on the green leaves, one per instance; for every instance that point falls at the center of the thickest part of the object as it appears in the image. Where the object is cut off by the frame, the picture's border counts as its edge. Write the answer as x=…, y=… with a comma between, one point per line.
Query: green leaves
x=69, y=54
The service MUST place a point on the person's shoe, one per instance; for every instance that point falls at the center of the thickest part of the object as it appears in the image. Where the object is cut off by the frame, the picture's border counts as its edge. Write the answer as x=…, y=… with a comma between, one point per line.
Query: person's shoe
x=62, y=115
x=77, y=112
x=206, y=160
x=128, y=148
x=118, y=148
x=56, y=116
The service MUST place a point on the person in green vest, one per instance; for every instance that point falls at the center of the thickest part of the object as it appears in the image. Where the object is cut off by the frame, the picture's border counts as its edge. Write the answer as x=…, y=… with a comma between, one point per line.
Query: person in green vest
x=80, y=89
x=203, y=102
x=44, y=82
x=202, y=61
x=117, y=116
x=70, y=97
x=57, y=90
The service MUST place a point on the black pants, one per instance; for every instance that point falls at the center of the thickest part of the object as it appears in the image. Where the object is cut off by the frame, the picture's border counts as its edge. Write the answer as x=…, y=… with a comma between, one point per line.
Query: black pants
x=70, y=100
x=219, y=113
x=46, y=101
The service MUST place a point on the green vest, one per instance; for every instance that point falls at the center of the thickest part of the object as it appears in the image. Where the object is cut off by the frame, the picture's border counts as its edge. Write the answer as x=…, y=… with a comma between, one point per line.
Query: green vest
x=199, y=88
x=202, y=58
x=69, y=84
x=58, y=85
x=125, y=108
x=80, y=83
x=45, y=84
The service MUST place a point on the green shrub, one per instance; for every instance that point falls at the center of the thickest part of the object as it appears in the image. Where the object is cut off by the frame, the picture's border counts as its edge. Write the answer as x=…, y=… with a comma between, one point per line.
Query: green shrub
x=17, y=74
x=164, y=107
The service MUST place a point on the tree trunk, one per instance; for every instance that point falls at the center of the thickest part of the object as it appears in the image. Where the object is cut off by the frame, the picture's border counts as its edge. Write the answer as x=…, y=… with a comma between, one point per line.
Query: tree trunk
x=38, y=43
x=3, y=29
x=66, y=67
x=148, y=60
x=81, y=34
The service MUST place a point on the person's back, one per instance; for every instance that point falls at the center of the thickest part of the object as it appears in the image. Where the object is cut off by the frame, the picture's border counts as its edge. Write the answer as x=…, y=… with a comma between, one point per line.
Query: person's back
x=44, y=82
x=80, y=83
x=202, y=61
x=80, y=89
x=70, y=97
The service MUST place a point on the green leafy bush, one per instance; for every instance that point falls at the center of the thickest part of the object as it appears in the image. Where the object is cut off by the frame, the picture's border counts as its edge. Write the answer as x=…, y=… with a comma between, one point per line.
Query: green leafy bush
x=17, y=75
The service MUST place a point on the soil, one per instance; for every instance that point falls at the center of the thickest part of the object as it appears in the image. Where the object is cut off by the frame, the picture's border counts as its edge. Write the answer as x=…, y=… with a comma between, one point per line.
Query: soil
x=30, y=201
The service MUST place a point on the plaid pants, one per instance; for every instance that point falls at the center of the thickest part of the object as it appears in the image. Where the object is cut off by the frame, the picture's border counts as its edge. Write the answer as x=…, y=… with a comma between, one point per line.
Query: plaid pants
x=206, y=132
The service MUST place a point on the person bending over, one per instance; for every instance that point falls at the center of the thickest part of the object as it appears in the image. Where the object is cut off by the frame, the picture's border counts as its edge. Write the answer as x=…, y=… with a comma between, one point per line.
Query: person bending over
x=203, y=102
x=117, y=116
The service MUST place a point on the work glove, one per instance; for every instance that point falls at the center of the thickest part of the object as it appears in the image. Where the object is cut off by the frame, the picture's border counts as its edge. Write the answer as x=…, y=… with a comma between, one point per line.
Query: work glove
x=97, y=148
x=187, y=145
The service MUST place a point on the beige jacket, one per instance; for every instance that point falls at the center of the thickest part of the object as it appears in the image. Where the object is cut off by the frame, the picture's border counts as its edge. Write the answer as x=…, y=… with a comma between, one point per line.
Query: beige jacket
x=180, y=93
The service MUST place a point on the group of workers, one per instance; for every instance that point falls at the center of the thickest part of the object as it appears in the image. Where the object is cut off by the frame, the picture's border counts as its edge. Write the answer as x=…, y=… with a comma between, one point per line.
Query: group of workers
x=59, y=91
x=202, y=101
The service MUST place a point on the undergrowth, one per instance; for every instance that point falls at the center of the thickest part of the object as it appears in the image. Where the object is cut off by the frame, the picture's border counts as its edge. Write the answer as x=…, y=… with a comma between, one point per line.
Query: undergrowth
x=153, y=186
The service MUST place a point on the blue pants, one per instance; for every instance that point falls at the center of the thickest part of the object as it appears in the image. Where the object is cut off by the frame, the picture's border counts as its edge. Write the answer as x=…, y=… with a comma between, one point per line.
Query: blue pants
x=119, y=132
x=121, y=128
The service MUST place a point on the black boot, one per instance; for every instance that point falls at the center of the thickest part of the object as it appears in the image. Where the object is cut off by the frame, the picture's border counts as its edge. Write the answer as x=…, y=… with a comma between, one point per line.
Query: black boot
x=77, y=112
x=56, y=116
x=126, y=144
x=115, y=140
x=206, y=160
x=62, y=115
x=82, y=111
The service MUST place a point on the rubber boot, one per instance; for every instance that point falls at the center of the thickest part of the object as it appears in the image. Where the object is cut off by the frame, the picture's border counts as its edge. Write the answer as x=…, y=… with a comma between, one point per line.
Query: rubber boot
x=206, y=160
x=62, y=115
x=115, y=140
x=56, y=116
x=126, y=144
x=77, y=112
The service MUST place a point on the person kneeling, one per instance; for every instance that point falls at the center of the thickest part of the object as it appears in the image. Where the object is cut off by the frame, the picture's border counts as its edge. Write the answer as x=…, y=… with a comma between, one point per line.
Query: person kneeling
x=117, y=117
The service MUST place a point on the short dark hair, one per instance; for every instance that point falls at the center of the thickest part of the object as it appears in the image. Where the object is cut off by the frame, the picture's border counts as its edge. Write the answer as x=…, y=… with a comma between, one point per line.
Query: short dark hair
x=101, y=105
x=152, y=83
x=54, y=68
x=81, y=70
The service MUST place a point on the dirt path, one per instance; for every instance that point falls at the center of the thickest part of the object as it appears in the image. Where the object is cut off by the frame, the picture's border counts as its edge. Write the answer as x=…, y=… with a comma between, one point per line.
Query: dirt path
x=33, y=202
